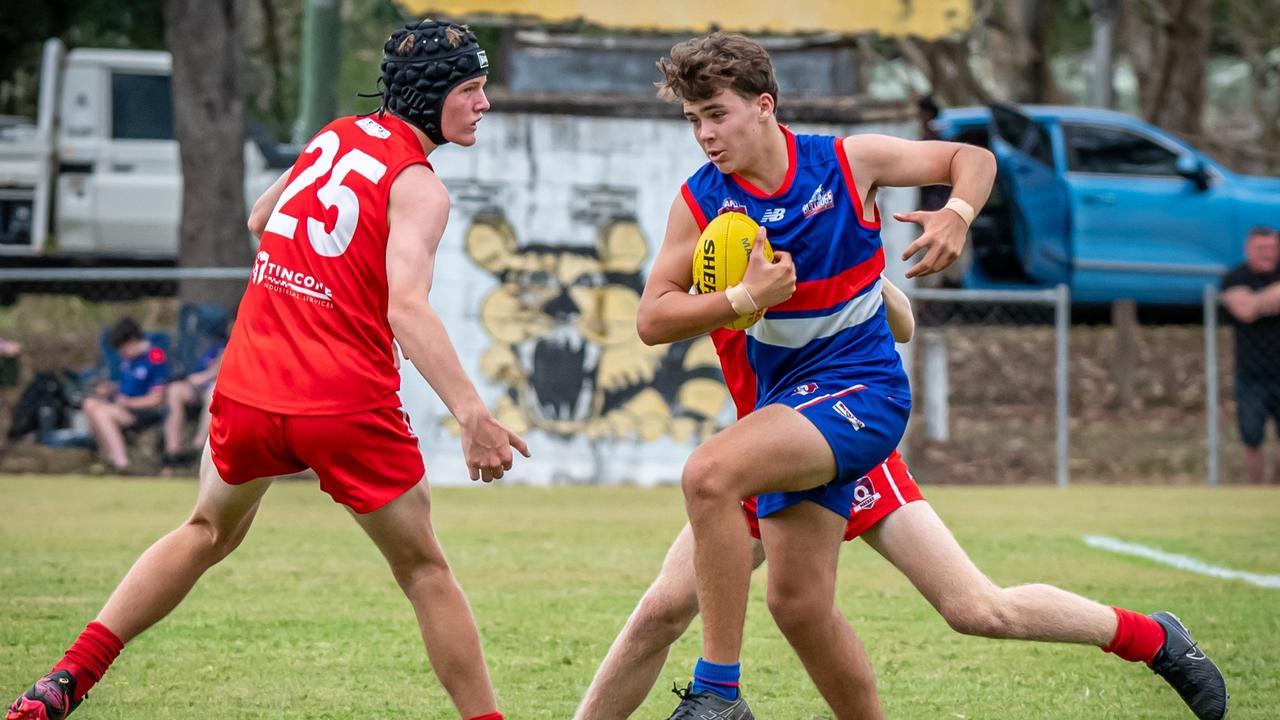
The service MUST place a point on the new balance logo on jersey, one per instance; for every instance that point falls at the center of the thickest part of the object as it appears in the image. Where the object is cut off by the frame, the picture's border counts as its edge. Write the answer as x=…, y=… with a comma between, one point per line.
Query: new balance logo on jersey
x=818, y=202
x=773, y=215
x=806, y=389
x=731, y=205
x=864, y=494
x=847, y=414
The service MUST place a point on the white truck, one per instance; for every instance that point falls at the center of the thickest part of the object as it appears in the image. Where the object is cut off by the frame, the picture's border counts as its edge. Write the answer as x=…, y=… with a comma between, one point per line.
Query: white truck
x=96, y=179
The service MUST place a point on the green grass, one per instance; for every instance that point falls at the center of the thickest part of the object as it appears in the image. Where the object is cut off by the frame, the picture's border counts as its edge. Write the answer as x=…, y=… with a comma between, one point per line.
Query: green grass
x=304, y=621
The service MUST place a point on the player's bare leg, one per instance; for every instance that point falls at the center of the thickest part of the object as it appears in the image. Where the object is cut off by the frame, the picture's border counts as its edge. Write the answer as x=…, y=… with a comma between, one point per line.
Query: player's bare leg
x=915, y=540
x=402, y=531
x=637, y=655
x=152, y=588
x=167, y=571
x=664, y=613
x=803, y=546
x=772, y=449
x=635, y=658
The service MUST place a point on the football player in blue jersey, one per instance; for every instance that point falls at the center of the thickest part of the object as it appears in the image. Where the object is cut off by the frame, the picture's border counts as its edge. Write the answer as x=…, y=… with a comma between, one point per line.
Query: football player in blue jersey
x=828, y=399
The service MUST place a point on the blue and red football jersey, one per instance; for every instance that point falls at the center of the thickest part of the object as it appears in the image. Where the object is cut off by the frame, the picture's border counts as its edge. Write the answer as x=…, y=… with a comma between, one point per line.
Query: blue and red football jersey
x=835, y=322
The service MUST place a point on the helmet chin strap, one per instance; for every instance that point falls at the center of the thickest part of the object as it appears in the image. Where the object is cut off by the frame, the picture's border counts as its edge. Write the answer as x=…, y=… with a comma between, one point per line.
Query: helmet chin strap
x=422, y=62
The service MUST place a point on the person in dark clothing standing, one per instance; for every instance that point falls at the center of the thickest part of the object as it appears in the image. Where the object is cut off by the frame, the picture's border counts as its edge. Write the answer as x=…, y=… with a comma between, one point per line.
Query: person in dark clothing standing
x=1251, y=293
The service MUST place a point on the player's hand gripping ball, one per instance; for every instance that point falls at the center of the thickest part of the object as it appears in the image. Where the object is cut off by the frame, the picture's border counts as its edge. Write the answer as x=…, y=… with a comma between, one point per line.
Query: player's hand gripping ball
x=720, y=258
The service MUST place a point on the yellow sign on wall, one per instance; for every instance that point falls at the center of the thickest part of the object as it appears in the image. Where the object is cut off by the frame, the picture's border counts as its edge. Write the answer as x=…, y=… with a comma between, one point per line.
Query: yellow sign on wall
x=925, y=18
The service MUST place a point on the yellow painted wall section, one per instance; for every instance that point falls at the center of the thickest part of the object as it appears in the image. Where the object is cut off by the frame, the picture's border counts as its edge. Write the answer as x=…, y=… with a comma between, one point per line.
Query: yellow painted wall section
x=925, y=18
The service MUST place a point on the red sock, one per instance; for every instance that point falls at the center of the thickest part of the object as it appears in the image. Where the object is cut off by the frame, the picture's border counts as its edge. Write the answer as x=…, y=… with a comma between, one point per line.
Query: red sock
x=490, y=716
x=89, y=656
x=1138, y=637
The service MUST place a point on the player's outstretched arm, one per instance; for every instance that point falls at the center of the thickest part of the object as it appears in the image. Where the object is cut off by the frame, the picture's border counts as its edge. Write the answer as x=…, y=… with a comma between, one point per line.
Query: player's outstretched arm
x=902, y=322
x=884, y=161
x=419, y=209
x=668, y=312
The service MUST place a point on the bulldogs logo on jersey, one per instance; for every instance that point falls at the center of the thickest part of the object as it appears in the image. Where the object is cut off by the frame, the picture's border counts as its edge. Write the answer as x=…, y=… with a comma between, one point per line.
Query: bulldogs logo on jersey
x=819, y=202
x=864, y=494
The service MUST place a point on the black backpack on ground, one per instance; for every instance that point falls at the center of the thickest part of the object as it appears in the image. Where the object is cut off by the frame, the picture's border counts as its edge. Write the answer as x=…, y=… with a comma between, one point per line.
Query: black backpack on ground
x=46, y=404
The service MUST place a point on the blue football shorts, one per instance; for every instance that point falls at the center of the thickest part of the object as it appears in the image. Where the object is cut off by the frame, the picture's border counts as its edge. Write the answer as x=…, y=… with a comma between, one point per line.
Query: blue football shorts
x=862, y=423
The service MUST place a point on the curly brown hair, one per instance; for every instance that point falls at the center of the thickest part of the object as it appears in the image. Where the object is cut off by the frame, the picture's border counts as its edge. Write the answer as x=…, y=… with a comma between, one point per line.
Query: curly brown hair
x=699, y=68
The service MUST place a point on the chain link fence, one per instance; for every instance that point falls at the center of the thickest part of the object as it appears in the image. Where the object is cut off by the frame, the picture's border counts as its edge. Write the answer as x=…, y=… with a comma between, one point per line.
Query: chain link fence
x=55, y=355
x=1007, y=390
x=988, y=376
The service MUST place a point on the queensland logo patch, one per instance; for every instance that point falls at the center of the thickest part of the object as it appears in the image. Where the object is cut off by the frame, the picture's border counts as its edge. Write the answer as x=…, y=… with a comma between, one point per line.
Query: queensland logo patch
x=864, y=494
x=819, y=202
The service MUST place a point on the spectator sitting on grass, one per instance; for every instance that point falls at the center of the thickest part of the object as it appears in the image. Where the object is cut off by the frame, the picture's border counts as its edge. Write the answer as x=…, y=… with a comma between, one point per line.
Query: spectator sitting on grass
x=187, y=398
x=136, y=402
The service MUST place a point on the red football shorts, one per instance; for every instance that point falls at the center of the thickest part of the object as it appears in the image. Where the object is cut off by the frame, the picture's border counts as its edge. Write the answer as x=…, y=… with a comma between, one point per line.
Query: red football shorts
x=364, y=460
x=875, y=495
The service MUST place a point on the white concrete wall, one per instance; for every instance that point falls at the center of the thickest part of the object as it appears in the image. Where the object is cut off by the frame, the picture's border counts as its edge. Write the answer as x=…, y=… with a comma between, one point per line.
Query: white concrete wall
x=547, y=175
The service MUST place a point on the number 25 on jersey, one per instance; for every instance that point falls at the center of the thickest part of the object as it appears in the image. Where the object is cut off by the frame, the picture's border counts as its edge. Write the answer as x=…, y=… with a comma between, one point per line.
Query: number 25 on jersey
x=332, y=195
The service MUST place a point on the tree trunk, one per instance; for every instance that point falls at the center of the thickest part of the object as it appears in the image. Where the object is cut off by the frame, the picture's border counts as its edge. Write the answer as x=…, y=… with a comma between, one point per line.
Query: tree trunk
x=1104, y=22
x=275, y=58
x=1169, y=47
x=1035, y=82
x=209, y=123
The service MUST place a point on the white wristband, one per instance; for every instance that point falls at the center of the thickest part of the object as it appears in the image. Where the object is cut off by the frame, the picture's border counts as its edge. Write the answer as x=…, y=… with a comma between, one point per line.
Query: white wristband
x=961, y=208
x=741, y=299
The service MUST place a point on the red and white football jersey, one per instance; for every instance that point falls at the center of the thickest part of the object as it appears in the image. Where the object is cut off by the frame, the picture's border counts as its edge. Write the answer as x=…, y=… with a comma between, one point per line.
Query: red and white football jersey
x=312, y=336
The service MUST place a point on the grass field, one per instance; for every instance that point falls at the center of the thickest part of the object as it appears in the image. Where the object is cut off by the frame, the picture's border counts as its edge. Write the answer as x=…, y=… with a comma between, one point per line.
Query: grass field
x=304, y=621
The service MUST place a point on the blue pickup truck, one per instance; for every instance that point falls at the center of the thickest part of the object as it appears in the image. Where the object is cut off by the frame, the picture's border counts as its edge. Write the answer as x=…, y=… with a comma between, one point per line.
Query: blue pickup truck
x=1110, y=205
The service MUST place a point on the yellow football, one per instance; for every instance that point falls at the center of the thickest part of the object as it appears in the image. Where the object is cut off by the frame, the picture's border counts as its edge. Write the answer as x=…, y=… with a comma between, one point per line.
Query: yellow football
x=721, y=255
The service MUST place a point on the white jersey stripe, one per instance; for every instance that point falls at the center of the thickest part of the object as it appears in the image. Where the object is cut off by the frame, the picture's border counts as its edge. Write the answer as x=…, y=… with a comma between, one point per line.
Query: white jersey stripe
x=828, y=396
x=798, y=332
x=892, y=483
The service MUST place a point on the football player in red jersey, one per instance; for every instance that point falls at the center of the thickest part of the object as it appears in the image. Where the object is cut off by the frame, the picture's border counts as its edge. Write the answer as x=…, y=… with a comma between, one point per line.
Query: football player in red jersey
x=309, y=379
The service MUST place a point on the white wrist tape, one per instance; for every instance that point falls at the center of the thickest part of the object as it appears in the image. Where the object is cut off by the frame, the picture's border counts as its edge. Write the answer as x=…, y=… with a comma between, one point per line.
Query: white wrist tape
x=741, y=299
x=961, y=208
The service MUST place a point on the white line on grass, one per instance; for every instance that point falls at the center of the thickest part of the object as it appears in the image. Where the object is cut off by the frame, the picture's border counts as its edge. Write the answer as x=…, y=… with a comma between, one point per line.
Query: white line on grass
x=1181, y=562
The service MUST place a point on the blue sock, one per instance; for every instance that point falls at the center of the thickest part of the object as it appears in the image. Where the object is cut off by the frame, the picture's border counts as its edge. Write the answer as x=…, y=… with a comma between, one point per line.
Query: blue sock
x=719, y=679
